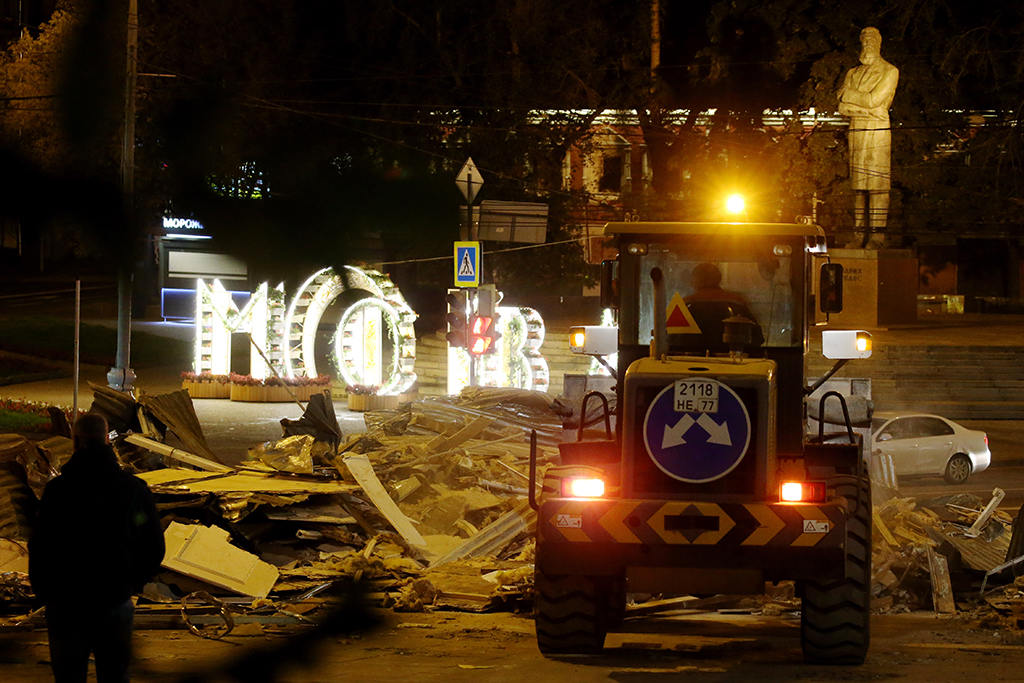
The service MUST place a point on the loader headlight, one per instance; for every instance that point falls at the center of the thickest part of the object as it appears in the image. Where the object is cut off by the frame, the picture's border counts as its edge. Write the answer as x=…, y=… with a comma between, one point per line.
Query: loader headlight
x=845, y=344
x=582, y=487
x=595, y=340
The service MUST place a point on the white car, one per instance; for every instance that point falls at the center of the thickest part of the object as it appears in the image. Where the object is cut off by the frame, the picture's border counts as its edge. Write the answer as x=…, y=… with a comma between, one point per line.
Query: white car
x=923, y=444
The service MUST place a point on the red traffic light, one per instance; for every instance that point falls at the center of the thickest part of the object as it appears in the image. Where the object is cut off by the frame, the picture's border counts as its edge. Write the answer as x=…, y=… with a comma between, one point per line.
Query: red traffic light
x=481, y=335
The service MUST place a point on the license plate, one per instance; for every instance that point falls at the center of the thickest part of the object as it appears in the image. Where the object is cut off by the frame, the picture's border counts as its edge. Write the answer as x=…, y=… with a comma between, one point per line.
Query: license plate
x=696, y=396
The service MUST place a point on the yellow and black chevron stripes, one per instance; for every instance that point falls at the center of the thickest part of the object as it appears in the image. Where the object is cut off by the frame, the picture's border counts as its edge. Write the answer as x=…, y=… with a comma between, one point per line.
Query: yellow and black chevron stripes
x=699, y=523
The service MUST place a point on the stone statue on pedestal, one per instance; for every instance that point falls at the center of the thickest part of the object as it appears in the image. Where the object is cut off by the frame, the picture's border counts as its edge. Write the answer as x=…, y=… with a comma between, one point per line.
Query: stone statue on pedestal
x=865, y=97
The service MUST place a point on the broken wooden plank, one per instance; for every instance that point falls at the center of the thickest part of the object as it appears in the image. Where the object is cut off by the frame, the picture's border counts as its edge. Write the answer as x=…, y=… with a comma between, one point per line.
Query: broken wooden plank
x=204, y=553
x=173, y=480
x=880, y=525
x=362, y=470
x=474, y=428
x=942, y=589
x=176, y=453
x=666, y=605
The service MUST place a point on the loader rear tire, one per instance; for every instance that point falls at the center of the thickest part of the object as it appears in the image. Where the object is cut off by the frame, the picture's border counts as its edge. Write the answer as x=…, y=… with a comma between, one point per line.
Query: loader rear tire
x=835, y=615
x=573, y=612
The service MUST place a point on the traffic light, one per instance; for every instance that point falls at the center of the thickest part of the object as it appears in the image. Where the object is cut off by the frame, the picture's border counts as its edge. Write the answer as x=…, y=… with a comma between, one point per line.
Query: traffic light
x=457, y=319
x=483, y=335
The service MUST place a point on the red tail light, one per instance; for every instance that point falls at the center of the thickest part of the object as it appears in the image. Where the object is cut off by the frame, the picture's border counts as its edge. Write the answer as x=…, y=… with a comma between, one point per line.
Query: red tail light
x=802, y=492
x=583, y=487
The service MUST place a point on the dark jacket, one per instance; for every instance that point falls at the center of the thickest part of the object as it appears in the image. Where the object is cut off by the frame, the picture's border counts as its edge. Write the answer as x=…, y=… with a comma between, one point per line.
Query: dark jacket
x=97, y=538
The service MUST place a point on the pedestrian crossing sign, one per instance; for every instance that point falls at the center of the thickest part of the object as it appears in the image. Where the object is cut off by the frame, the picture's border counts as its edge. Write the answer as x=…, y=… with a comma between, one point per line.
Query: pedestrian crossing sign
x=467, y=264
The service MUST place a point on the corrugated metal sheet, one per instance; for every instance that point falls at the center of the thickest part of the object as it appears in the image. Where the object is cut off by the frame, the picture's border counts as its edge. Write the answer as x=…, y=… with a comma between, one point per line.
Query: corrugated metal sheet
x=176, y=411
x=978, y=553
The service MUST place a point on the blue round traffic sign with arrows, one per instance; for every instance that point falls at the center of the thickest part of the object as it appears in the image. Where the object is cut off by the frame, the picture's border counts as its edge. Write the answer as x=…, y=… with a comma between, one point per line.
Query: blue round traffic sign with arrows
x=697, y=430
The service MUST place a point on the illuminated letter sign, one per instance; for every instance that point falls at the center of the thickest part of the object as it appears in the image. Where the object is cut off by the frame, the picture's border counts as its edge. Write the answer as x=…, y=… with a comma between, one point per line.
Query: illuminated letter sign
x=217, y=317
x=374, y=342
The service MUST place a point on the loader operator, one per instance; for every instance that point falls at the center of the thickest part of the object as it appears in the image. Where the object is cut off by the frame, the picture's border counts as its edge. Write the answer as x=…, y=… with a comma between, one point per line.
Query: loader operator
x=710, y=306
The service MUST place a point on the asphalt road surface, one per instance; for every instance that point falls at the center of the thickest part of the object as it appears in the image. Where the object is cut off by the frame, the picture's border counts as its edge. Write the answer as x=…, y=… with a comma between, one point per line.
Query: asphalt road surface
x=57, y=297
x=451, y=647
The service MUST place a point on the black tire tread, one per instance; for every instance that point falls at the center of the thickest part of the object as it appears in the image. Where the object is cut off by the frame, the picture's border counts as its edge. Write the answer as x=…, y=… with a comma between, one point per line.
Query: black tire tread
x=570, y=613
x=835, y=615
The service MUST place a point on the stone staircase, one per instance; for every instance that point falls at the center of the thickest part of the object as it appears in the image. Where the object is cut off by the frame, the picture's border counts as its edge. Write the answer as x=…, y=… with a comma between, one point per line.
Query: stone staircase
x=432, y=362
x=959, y=382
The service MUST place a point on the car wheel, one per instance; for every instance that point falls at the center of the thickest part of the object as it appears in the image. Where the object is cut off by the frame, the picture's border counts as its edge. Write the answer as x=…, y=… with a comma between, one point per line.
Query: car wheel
x=958, y=469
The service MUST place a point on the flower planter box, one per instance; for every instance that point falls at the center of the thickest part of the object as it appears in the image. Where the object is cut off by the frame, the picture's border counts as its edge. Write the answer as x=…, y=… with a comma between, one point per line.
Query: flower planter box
x=273, y=394
x=361, y=402
x=206, y=389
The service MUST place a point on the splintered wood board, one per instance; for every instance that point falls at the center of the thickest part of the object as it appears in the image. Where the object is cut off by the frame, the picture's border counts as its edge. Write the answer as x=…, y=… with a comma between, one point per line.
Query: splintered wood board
x=202, y=482
x=362, y=470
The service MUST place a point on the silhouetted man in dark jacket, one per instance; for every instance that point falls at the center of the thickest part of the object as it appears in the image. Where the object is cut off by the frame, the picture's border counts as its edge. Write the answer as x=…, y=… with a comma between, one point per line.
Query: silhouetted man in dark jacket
x=96, y=542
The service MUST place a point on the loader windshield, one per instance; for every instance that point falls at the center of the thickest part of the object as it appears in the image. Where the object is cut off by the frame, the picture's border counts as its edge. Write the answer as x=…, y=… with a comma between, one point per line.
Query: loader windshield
x=710, y=278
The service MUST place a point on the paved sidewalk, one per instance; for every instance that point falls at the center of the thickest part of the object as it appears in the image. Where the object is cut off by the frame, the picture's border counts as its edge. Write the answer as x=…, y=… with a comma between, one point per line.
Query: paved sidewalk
x=231, y=427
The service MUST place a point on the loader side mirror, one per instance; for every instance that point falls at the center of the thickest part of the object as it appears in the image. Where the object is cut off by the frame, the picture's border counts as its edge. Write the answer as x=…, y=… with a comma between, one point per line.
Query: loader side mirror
x=830, y=288
x=609, y=284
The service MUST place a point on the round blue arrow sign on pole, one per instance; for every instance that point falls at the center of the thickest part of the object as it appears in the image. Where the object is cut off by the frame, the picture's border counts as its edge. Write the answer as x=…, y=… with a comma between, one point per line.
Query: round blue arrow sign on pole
x=697, y=430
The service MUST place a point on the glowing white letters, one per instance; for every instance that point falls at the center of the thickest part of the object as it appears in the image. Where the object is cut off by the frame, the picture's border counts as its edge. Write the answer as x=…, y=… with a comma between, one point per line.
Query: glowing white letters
x=374, y=342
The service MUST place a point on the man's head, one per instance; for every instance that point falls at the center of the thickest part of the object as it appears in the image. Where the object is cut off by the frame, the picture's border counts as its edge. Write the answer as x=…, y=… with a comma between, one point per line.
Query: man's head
x=706, y=276
x=871, y=45
x=91, y=430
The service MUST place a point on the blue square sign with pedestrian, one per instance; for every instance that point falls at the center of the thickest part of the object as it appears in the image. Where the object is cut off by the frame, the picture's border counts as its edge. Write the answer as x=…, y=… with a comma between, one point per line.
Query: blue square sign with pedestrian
x=467, y=264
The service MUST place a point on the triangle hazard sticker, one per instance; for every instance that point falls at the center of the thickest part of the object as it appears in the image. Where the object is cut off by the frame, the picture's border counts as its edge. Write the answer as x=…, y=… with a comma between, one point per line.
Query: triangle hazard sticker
x=680, y=320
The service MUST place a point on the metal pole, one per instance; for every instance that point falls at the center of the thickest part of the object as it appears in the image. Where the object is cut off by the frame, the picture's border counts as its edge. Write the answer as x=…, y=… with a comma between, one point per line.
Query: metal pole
x=121, y=376
x=470, y=229
x=471, y=298
x=78, y=326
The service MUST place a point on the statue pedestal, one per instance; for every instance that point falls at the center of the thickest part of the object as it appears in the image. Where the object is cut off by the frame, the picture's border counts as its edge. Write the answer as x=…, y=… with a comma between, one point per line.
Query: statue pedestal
x=879, y=288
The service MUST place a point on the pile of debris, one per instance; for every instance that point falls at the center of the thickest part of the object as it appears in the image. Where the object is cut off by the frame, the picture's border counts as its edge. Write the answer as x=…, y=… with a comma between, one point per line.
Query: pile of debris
x=937, y=553
x=426, y=508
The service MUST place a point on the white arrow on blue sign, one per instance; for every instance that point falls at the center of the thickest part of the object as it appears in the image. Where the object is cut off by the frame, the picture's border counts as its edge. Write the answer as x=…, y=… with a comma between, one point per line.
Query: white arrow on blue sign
x=697, y=430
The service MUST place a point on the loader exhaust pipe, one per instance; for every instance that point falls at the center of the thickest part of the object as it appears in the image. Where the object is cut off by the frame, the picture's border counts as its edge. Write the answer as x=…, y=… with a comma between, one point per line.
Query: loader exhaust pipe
x=660, y=347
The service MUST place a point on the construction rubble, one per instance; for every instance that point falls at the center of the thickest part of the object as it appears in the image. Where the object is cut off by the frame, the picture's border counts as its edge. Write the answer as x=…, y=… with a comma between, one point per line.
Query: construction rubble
x=425, y=509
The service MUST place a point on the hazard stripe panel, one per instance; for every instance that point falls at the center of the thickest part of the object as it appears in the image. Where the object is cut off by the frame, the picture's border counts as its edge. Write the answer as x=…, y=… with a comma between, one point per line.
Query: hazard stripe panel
x=691, y=523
